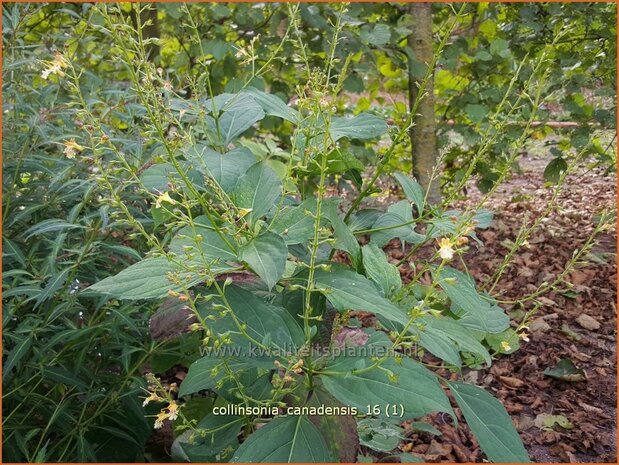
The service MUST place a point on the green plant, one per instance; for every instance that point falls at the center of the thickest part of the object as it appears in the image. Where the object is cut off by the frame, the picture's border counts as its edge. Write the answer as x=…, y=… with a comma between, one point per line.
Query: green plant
x=262, y=257
x=72, y=368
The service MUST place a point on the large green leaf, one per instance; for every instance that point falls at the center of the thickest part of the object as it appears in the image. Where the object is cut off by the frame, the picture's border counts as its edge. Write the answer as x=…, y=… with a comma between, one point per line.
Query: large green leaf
x=159, y=177
x=347, y=290
x=555, y=169
x=345, y=239
x=444, y=225
x=443, y=348
x=391, y=224
x=273, y=105
x=258, y=190
x=476, y=112
x=268, y=324
x=227, y=102
x=266, y=254
x=217, y=433
x=479, y=313
x=445, y=337
x=224, y=168
x=378, y=35
x=148, y=279
x=490, y=423
x=338, y=161
x=413, y=386
x=379, y=270
x=203, y=241
x=412, y=189
x=381, y=434
x=362, y=126
x=294, y=224
x=208, y=371
x=237, y=113
x=286, y=439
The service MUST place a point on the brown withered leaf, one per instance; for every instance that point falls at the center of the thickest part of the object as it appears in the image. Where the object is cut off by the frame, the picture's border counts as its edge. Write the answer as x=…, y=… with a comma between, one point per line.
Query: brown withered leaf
x=588, y=322
x=171, y=319
x=511, y=382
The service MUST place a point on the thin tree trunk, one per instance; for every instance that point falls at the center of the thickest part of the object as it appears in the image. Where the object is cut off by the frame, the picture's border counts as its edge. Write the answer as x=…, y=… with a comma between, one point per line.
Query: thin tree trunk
x=423, y=132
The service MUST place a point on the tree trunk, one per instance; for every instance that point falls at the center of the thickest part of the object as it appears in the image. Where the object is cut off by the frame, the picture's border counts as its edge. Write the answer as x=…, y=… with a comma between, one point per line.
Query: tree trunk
x=423, y=132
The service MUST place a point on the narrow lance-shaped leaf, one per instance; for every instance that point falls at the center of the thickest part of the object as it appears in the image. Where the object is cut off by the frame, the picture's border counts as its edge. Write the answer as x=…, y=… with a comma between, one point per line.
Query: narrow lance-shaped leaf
x=15, y=355
x=346, y=240
x=412, y=189
x=379, y=270
x=54, y=284
x=51, y=225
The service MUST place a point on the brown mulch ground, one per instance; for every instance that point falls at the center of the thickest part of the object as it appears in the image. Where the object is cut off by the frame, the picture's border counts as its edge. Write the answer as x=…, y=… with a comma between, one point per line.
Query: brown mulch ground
x=558, y=330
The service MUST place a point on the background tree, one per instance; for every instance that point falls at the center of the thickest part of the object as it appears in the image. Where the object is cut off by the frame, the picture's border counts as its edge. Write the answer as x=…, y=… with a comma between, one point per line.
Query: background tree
x=423, y=131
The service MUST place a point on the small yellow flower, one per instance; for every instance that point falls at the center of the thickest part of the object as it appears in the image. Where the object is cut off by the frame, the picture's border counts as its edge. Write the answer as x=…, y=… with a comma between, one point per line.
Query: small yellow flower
x=71, y=148
x=55, y=67
x=151, y=398
x=241, y=53
x=243, y=212
x=524, y=336
x=445, y=251
x=161, y=417
x=505, y=346
x=173, y=410
x=165, y=197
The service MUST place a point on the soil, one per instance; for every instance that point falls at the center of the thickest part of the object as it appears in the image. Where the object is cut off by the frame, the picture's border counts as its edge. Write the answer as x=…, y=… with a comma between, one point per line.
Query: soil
x=577, y=322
